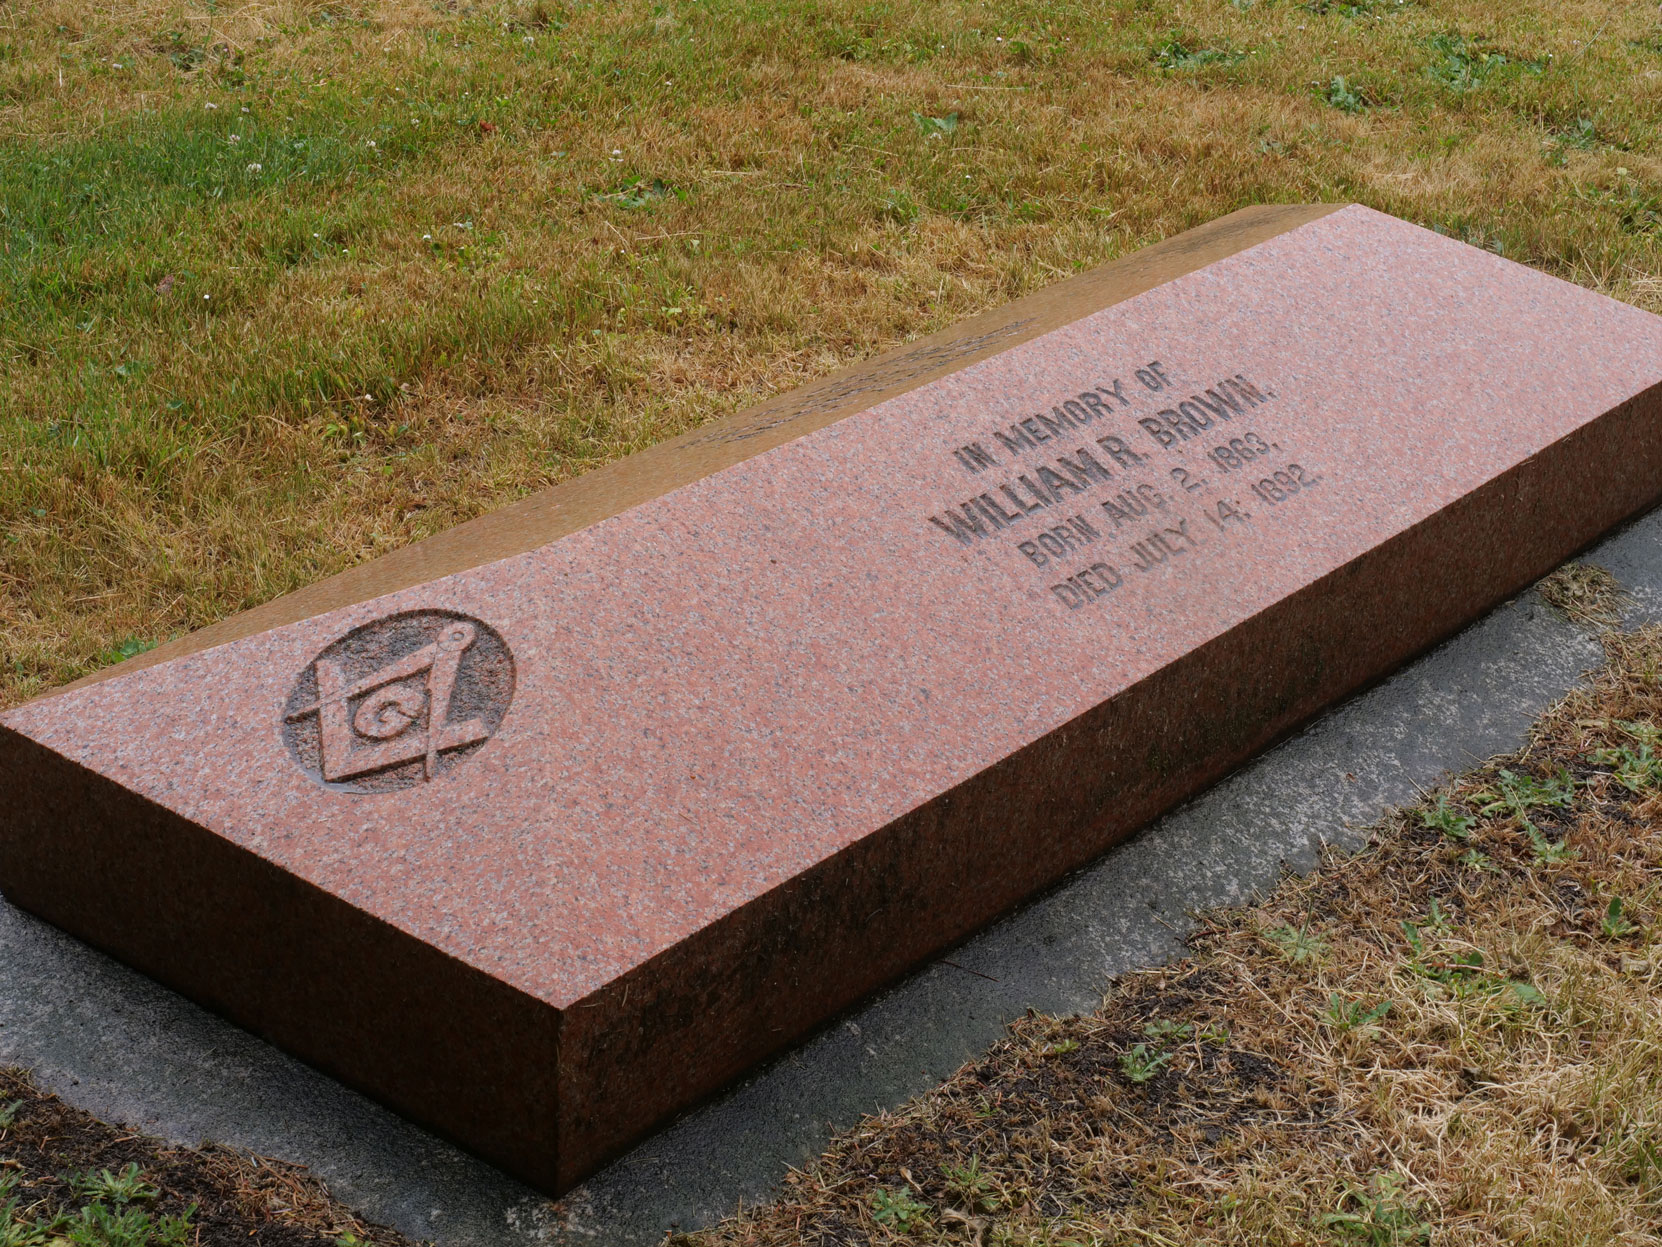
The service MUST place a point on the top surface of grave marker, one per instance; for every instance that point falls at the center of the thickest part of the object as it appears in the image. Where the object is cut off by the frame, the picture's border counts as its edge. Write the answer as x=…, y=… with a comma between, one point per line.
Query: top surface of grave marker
x=561, y=765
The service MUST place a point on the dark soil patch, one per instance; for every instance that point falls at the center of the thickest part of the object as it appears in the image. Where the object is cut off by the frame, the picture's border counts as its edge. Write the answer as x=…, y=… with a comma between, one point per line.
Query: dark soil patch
x=224, y=1196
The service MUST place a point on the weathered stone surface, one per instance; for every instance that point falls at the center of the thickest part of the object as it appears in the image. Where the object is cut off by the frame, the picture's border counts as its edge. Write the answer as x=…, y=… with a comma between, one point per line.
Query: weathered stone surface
x=736, y=730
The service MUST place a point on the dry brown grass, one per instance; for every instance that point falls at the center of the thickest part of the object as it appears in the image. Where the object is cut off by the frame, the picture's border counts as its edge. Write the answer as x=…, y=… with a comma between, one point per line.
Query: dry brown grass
x=1585, y=593
x=1453, y=1037
x=167, y=459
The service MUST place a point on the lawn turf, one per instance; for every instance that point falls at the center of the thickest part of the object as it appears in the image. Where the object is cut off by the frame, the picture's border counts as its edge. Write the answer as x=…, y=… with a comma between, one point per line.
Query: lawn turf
x=286, y=285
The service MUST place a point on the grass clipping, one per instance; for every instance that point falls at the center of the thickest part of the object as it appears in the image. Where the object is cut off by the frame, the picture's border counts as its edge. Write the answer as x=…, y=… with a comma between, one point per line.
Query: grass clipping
x=1454, y=1036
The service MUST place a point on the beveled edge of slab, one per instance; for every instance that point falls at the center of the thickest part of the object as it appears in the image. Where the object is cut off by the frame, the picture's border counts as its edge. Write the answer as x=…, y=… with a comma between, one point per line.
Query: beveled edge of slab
x=584, y=500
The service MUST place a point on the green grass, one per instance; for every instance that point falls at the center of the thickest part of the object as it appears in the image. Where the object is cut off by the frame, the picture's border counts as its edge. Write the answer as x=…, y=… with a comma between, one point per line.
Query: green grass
x=232, y=365
x=106, y=1210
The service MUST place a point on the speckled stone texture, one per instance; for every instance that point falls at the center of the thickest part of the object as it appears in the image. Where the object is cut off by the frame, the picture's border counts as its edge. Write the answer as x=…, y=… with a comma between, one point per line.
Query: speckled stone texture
x=543, y=849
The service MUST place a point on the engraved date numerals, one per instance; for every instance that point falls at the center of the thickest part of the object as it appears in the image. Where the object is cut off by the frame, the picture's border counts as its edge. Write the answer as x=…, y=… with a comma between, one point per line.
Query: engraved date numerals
x=1282, y=485
x=1237, y=452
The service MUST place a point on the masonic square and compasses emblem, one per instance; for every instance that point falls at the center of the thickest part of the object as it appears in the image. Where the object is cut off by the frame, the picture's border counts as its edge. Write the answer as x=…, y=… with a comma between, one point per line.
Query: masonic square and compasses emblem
x=399, y=701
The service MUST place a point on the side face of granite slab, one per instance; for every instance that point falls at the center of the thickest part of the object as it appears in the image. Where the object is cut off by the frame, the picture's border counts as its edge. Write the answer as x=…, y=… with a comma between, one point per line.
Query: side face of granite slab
x=707, y=768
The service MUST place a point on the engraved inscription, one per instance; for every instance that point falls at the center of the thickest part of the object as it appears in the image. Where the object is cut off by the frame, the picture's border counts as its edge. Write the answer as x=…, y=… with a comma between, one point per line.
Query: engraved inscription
x=1109, y=439
x=399, y=701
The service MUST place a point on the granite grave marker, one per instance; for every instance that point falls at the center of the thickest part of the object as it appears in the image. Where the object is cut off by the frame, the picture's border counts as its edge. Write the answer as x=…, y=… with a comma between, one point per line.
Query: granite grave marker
x=544, y=828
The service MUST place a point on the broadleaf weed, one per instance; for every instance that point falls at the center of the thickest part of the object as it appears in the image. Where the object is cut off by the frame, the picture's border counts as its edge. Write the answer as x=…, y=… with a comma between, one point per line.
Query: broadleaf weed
x=1141, y=1063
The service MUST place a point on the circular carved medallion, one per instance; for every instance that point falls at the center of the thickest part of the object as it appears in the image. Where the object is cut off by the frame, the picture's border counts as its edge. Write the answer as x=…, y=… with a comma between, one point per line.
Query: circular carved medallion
x=399, y=701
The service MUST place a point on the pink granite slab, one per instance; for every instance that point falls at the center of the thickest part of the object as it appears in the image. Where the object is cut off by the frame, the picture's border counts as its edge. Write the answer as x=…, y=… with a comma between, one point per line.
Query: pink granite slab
x=748, y=749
